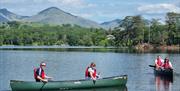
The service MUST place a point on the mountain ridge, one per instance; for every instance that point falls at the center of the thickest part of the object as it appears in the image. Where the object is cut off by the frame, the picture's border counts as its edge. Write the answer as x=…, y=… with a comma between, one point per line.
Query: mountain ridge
x=111, y=24
x=51, y=15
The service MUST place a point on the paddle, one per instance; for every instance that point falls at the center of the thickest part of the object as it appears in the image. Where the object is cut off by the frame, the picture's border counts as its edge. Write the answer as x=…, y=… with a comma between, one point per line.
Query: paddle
x=94, y=81
x=98, y=75
x=44, y=83
x=161, y=68
x=152, y=66
x=42, y=86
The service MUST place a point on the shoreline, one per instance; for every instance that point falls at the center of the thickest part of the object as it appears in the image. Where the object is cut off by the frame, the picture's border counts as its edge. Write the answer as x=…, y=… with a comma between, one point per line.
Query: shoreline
x=148, y=47
x=139, y=48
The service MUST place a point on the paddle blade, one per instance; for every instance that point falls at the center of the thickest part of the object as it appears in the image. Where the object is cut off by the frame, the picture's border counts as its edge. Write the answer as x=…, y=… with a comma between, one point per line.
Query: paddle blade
x=152, y=66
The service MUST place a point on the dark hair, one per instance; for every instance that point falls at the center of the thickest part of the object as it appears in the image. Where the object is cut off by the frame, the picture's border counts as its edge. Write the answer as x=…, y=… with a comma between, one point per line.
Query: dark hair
x=166, y=58
x=92, y=64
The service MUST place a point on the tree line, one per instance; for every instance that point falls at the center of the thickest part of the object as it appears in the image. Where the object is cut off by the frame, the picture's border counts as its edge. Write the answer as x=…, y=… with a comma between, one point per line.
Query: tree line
x=132, y=30
x=136, y=30
x=17, y=33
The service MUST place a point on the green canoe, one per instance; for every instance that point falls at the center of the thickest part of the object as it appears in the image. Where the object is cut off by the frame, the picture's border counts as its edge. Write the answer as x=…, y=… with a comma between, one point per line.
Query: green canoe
x=72, y=84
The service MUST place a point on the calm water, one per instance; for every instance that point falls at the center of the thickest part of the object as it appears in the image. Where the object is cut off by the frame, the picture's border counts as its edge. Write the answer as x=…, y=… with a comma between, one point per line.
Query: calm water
x=70, y=65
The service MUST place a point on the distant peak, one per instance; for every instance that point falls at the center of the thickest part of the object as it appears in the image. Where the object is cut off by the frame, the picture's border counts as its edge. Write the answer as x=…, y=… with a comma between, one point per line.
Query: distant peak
x=117, y=20
x=3, y=9
x=53, y=8
x=50, y=9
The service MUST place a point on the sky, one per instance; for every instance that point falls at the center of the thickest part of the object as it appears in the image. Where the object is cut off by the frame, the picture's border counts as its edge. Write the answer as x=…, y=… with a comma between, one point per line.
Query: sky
x=96, y=10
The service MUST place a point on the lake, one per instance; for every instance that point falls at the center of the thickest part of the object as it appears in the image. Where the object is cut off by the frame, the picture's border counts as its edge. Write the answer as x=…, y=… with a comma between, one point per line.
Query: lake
x=70, y=64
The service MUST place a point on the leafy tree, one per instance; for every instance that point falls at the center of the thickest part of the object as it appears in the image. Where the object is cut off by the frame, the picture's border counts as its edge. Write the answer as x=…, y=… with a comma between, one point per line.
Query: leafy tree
x=158, y=33
x=173, y=27
x=133, y=32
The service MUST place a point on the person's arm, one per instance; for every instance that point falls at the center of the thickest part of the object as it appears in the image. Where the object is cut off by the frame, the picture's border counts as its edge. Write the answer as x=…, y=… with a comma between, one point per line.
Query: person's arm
x=162, y=60
x=170, y=65
x=91, y=71
x=91, y=74
x=43, y=80
x=98, y=75
x=156, y=65
x=48, y=77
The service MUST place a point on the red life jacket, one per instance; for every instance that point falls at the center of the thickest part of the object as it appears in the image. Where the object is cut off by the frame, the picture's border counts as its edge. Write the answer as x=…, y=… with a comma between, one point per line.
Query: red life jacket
x=94, y=74
x=35, y=75
x=42, y=75
x=87, y=74
x=166, y=65
x=159, y=62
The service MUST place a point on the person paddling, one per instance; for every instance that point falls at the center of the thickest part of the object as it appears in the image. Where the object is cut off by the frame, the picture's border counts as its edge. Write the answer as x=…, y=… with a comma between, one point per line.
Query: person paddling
x=39, y=73
x=167, y=64
x=91, y=72
x=159, y=62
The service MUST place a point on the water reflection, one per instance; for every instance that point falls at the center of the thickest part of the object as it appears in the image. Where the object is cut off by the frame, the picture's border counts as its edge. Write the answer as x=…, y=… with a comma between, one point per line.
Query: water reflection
x=121, y=88
x=117, y=88
x=163, y=83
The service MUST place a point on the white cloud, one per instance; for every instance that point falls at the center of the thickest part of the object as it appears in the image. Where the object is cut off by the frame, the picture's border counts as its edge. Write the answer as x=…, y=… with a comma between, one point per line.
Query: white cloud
x=158, y=8
x=64, y=3
x=68, y=3
x=85, y=15
x=11, y=1
x=91, y=5
x=38, y=1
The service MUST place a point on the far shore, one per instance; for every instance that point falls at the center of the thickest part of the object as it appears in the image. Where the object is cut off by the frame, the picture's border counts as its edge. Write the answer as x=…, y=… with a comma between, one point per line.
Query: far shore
x=141, y=47
x=54, y=46
x=147, y=47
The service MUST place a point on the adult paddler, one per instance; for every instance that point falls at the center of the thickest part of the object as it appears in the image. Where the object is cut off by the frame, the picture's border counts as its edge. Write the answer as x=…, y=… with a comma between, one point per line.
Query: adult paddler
x=159, y=62
x=39, y=73
x=91, y=72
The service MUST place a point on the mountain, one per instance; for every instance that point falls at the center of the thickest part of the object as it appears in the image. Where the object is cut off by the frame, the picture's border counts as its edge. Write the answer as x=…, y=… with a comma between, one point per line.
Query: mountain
x=6, y=15
x=111, y=24
x=52, y=15
x=57, y=16
x=3, y=18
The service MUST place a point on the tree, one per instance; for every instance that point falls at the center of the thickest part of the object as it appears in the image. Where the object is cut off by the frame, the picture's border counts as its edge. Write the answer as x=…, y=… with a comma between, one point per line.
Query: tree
x=158, y=33
x=173, y=27
x=133, y=32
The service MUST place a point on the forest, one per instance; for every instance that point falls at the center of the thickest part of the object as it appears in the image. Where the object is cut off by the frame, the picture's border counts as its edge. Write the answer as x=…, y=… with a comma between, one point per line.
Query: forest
x=132, y=31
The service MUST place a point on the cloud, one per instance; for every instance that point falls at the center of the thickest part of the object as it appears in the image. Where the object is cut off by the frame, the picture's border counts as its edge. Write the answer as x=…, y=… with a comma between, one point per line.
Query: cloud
x=71, y=3
x=67, y=2
x=64, y=3
x=158, y=8
x=37, y=1
x=11, y=1
x=85, y=15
